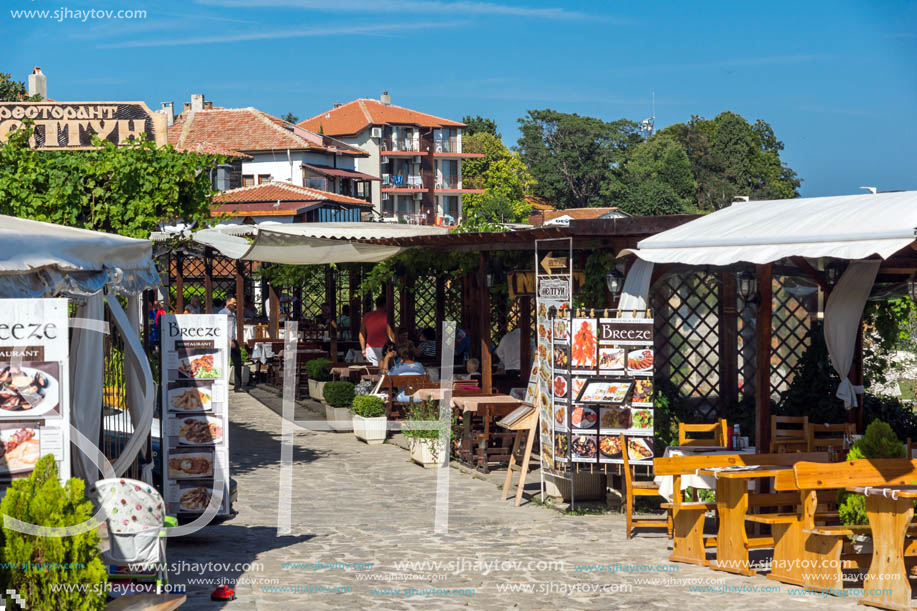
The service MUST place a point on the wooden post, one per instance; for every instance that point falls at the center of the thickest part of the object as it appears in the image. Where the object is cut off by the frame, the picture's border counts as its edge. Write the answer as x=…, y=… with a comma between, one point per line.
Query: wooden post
x=356, y=311
x=729, y=344
x=208, y=280
x=440, y=305
x=389, y=292
x=178, y=269
x=408, y=304
x=763, y=357
x=486, y=369
x=857, y=377
x=482, y=307
x=240, y=301
x=274, y=320
x=525, y=337
x=331, y=296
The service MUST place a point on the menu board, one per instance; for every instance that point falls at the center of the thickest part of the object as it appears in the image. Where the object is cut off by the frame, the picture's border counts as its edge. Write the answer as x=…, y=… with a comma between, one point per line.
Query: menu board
x=34, y=386
x=195, y=408
x=602, y=386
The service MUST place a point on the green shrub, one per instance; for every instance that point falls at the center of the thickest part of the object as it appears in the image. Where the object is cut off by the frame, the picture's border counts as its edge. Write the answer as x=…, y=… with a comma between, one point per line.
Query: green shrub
x=878, y=442
x=338, y=394
x=40, y=499
x=319, y=370
x=426, y=411
x=368, y=406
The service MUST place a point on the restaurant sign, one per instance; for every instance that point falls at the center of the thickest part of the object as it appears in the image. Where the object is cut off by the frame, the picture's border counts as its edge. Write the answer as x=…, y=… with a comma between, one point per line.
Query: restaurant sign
x=522, y=284
x=554, y=288
x=626, y=331
x=72, y=125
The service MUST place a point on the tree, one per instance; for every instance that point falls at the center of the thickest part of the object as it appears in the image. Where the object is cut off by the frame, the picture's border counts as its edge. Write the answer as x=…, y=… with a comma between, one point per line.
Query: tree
x=126, y=190
x=573, y=159
x=656, y=179
x=731, y=157
x=14, y=91
x=478, y=124
x=502, y=174
x=290, y=118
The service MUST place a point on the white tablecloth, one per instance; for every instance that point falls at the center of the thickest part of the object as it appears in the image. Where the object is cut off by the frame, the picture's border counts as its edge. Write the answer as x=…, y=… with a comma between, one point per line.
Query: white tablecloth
x=704, y=482
x=261, y=352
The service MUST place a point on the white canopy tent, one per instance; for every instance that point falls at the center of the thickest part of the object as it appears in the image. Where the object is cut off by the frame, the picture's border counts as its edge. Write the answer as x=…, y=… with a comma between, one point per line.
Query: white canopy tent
x=46, y=260
x=855, y=227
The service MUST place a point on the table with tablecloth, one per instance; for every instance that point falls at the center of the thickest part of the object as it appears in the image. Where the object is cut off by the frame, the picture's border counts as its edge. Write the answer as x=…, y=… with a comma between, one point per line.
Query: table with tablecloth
x=702, y=482
x=491, y=446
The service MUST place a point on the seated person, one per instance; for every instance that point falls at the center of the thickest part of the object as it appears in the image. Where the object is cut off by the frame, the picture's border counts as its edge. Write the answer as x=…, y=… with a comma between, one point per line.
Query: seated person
x=427, y=347
x=472, y=367
x=403, y=339
x=407, y=366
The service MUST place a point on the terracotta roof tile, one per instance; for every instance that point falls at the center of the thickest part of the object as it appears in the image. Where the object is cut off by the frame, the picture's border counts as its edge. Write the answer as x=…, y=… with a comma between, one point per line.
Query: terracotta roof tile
x=352, y=117
x=249, y=130
x=282, y=192
x=578, y=214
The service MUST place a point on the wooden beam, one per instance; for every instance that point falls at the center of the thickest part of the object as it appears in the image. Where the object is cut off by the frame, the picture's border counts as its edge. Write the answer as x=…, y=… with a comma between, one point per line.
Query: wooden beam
x=763, y=356
x=208, y=280
x=729, y=344
x=178, y=270
x=274, y=318
x=440, y=305
x=816, y=276
x=389, y=293
x=356, y=312
x=482, y=306
x=240, y=301
x=525, y=337
x=486, y=368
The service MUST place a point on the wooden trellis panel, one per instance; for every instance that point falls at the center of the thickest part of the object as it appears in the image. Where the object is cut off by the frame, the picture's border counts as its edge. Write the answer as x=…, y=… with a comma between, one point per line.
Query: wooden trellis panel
x=795, y=304
x=425, y=302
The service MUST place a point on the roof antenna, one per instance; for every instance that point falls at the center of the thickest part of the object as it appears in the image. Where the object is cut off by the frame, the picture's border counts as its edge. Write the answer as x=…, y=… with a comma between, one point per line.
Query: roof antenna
x=870, y=189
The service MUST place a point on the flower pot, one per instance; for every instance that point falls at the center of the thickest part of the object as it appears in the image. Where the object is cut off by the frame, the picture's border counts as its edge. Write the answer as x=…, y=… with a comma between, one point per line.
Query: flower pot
x=370, y=430
x=422, y=452
x=339, y=418
x=316, y=390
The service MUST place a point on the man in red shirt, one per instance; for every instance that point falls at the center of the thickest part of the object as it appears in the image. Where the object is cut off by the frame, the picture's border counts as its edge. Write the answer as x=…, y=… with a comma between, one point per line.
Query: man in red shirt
x=375, y=332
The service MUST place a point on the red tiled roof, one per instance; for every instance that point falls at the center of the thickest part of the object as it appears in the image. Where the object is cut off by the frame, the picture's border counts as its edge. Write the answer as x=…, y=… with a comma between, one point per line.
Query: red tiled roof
x=353, y=116
x=248, y=129
x=264, y=209
x=578, y=214
x=211, y=149
x=282, y=192
x=339, y=172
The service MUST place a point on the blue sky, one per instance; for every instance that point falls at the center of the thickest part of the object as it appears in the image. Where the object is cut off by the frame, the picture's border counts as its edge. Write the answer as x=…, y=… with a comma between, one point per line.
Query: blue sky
x=836, y=80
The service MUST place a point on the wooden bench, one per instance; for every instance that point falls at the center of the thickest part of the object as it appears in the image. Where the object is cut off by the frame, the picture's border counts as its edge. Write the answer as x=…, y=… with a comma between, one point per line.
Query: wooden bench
x=688, y=541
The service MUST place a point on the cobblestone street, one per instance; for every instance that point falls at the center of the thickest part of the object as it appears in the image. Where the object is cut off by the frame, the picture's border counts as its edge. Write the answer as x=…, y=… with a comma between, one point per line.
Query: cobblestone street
x=359, y=504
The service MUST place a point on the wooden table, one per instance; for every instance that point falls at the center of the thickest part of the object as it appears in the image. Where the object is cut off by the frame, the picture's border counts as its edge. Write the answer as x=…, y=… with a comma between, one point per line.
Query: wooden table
x=732, y=543
x=488, y=407
x=889, y=509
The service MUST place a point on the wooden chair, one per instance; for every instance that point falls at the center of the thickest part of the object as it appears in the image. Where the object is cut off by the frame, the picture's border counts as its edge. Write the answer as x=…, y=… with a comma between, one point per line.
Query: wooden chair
x=824, y=436
x=716, y=429
x=792, y=438
x=633, y=489
x=391, y=386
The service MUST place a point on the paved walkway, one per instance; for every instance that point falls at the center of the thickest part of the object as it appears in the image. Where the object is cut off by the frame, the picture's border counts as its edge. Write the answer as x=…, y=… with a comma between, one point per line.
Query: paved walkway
x=355, y=504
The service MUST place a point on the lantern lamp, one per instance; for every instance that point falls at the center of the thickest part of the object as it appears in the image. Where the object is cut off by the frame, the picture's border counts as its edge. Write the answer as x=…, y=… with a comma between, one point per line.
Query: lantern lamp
x=747, y=285
x=615, y=282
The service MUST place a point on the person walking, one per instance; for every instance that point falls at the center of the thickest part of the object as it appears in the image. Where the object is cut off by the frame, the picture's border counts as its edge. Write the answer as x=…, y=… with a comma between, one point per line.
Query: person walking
x=235, y=350
x=375, y=332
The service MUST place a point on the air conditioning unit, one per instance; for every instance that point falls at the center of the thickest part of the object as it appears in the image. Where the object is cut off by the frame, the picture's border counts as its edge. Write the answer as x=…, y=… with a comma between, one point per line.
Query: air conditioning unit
x=375, y=132
x=418, y=196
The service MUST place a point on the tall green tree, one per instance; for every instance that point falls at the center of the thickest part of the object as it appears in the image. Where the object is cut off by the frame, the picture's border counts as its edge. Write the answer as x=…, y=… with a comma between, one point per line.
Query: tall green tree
x=574, y=159
x=503, y=176
x=731, y=157
x=14, y=91
x=478, y=124
x=655, y=179
x=290, y=118
x=126, y=190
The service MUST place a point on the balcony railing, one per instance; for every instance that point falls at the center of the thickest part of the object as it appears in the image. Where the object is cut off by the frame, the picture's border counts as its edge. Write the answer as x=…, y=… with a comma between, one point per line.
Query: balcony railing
x=446, y=145
x=402, y=181
x=401, y=144
x=449, y=181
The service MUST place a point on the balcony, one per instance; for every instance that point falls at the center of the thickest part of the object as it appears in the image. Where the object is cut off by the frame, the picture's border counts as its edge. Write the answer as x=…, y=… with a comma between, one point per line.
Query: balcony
x=452, y=183
x=404, y=183
x=400, y=146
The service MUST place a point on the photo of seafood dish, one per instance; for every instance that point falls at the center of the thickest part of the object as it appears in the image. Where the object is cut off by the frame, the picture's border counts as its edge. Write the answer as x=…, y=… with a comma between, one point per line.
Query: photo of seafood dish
x=195, y=499
x=542, y=352
x=200, y=431
x=616, y=392
x=541, y=330
x=560, y=386
x=560, y=445
x=611, y=358
x=542, y=311
x=584, y=344
x=584, y=447
x=610, y=446
x=615, y=418
x=196, y=464
x=199, y=367
x=578, y=384
x=26, y=389
x=561, y=360
x=643, y=391
x=561, y=330
x=195, y=399
x=560, y=415
x=594, y=392
x=642, y=418
x=19, y=449
x=640, y=360
x=637, y=449
x=583, y=417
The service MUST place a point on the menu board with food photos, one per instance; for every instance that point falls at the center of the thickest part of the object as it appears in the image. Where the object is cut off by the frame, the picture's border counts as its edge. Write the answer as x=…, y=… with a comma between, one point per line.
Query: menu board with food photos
x=195, y=402
x=34, y=386
x=602, y=386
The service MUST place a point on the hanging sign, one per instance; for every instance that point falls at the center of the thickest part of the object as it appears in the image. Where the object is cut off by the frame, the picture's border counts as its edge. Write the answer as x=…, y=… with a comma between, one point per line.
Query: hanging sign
x=34, y=386
x=195, y=402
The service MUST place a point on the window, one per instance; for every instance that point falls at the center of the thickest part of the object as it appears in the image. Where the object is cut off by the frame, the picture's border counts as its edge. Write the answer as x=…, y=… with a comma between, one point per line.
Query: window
x=451, y=207
x=448, y=170
x=263, y=178
x=248, y=180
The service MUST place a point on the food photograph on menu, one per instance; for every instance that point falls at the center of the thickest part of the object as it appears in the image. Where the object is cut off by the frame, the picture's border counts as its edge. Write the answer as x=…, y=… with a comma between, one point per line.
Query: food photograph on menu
x=560, y=416
x=611, y=360
x=560, y=446
x=640, y=362
x=561, y=358
x=610, y=448
x=199, y=364
x=617, y=418
x=189, y=465
x=561, y=330
x=583, y=417
x=604, y=391
x=583, y=346
x=20, y=447
x=584, y=448
x=561, y=387
x=197, y=430
x=186, y=397
x=638, y=448
x=642, y=419
x=643, y=392
x=194, y=497
x=29, y=389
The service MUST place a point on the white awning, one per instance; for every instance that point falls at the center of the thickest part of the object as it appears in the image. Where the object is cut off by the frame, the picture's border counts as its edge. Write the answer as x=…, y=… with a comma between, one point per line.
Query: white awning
x=311, y=243
x=845, y=227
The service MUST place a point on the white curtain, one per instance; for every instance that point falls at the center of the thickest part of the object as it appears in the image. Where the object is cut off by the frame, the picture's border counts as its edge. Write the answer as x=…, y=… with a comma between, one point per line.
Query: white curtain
x=842, y=321
x=135, y=384
x=86, y=363
x=635, y=294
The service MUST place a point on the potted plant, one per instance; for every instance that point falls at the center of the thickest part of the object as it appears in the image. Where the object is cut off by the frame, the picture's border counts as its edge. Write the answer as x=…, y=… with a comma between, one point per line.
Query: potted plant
x=878, y=442
x=338, y=399
x=428, y=433
x=369, y=421
x=318, y=371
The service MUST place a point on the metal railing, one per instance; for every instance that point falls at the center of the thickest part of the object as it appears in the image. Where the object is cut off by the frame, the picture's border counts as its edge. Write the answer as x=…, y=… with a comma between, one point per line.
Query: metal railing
x=401, y=144
x=402, y=181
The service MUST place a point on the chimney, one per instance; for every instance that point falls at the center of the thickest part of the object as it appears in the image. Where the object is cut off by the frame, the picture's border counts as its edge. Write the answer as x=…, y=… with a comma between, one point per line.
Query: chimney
x=386, y=98
x=197, y=102
x=208, y=105
x=38, y=83
x=186, y=107
x=169, y=109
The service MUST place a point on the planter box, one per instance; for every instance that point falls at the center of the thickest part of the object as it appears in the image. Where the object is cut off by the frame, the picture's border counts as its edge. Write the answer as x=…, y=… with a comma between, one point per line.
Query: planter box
x=339, y=418
x=587, y=486
x=370, y=430
x=422, y=452
x=316, y=390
